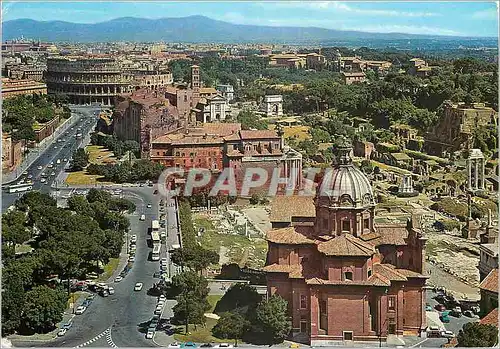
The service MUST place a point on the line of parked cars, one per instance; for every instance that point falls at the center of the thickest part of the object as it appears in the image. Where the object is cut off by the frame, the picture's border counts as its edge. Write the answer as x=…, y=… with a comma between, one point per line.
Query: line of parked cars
x=449, y=305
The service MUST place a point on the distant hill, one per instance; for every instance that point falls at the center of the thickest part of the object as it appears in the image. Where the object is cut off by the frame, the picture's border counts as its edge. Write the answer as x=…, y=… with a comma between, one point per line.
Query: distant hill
x=194, y=29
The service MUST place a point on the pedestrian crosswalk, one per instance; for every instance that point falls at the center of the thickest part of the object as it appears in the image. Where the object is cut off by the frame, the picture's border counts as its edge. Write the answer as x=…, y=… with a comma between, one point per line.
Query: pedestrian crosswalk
x=107, y=335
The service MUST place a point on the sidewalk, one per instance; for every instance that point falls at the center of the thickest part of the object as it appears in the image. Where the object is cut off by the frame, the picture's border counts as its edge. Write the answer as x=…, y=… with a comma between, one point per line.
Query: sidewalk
x=34, y=153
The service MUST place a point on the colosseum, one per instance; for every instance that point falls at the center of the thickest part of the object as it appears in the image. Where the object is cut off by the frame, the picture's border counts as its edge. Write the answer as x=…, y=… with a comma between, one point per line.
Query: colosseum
x=87, y=80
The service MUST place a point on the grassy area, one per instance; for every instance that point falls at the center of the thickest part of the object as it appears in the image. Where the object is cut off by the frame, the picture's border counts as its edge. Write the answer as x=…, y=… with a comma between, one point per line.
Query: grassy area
x=241, y=250
x=99, y=155
x=109, y=269
x=82, y=178
x=386, y=167
x=23, y=248
x=200, y=335
x=213, y=299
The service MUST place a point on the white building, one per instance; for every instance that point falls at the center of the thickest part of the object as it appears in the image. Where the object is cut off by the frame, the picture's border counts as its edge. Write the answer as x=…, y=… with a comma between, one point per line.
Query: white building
x=272, y=105
x=211, y=109
x=227, y=91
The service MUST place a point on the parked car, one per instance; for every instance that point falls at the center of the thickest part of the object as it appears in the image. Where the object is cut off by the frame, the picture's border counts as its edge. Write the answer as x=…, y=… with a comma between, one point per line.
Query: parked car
x=86, y=303
x=90, y=296
x=468, y=313
x=111, y=290
x=457, y=312
x=428, y=307
x=189, y=345
x=150, y=335
x=162, y=298
x=433, y=331
x=444, y=317
x=174, y=345
x=62, y=332
x=447, y=334
x=440, y=307
x=118, y=279
x=131, y=259
x=206, y=345
x=133, y=238
x=149, y=205
x=143, y=217
x=67, y=325
x=80, y=310
x=224, y=345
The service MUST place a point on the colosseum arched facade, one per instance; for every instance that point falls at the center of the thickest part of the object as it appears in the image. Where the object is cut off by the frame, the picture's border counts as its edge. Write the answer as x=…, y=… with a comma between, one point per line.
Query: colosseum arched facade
x=87, y=80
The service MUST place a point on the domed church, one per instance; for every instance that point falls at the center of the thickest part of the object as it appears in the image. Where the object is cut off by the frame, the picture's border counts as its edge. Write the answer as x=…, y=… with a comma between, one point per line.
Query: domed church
x=346, y=279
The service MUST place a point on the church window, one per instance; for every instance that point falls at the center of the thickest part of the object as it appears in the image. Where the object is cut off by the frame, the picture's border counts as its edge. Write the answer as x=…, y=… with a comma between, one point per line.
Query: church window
x=348, y=275
x=303, y=301
x=255, y=147
x=235, y=147
x=367, y=223
x=392, y=303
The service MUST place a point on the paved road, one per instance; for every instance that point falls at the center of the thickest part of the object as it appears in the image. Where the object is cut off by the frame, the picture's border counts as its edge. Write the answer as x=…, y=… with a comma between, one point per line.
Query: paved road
x=58, y=149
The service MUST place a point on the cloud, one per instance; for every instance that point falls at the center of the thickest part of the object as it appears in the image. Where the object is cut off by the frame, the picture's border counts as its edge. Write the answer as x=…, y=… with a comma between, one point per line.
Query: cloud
x=340, y=6
x=491, y=13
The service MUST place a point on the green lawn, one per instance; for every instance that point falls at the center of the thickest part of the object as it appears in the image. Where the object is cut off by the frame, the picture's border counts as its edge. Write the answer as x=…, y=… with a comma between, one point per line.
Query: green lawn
x=213, y=299
x=200, y=335
x=82, y=178
x=109, y=269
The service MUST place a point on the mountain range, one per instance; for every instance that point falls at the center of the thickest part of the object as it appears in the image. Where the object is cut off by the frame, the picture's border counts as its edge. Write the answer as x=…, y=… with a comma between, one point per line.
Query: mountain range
x=195, y=29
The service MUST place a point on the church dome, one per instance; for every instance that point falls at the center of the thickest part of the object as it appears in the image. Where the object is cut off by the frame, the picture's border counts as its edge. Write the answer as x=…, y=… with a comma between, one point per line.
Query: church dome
x=346, y=186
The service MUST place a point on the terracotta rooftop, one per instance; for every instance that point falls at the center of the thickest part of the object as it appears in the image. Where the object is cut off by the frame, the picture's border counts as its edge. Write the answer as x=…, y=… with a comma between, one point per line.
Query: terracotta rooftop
x=388, y=271
x=294, y=271
x=288, y=236
x=391, y=234
x=490, y=283
x=258, y=134
x=283, y=208
x=411, y=274
x=491, y=318
x=346, y=245
x=221, y=129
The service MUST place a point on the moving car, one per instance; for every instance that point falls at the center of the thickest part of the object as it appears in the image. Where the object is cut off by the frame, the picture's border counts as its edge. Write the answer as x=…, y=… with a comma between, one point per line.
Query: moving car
x=118, y=278
x=150, y=335
x=444, y=317
x=138, y=286
x=143, y=217
x=457, y=312
x=80, y=310
x=39, y=167
x=149, y=205
x=111, y=290
x=62, y=332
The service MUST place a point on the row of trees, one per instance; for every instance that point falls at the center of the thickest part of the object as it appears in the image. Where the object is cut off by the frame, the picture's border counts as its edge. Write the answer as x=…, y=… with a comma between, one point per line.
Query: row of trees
x=118, y=147
x=67, y=243
x=191, y=254
x=21, y=113
x=127, y=172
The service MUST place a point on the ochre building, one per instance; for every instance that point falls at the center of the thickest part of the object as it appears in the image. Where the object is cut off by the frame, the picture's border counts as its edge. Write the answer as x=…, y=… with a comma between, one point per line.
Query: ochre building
x=346, y=279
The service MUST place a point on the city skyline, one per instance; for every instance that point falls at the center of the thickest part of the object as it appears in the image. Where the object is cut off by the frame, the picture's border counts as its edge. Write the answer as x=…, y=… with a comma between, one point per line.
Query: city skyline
x=472, y=19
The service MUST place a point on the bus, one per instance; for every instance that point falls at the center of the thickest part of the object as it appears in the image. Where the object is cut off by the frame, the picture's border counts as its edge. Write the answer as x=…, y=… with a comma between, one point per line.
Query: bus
x=155, y=236
x=156, y=252
x=16, y=188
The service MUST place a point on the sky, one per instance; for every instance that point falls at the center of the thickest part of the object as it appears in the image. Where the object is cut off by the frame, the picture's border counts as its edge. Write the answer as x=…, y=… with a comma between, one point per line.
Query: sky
x=434, y=18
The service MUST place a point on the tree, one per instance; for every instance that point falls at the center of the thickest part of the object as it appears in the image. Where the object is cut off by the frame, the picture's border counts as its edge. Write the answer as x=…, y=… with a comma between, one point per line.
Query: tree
x=79, y=204
x=250, y=120
x=189, y=281
x=33, y=199
x=240, y=298
x=190, y=310
x=79, y=160
x=474, y=334
x=366, y=166
x=272, y=319
x=196, y=257
x=43, y=308
x=230, y=326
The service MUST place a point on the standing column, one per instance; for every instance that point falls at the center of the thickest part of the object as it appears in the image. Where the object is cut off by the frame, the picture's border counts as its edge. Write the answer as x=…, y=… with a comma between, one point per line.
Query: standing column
x=481, y=179
x=476, y=179
x=314, y=312
x=469, y=173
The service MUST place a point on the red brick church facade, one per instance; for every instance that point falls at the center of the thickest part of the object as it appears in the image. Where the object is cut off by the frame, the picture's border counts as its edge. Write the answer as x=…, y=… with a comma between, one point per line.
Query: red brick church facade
x=345, y=278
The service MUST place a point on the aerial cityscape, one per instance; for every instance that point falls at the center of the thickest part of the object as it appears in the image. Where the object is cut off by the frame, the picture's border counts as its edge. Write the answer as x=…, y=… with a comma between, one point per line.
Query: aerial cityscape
x=249, y=174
